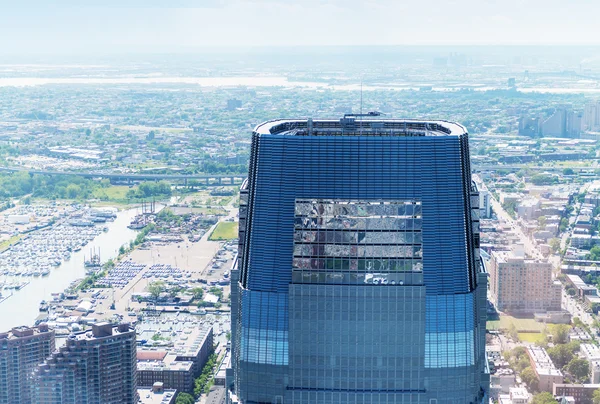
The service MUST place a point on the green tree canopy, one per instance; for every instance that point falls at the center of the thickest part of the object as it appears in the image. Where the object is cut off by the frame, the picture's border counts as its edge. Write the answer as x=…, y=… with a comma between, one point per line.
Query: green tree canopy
x=185, y=398
x=554, y=244
x=579, y=369
x=197, y=292
x=543, y=398
x=596, y=396
x=560, y=333
x=530, y=378
x=156, y=288
x=560, y=354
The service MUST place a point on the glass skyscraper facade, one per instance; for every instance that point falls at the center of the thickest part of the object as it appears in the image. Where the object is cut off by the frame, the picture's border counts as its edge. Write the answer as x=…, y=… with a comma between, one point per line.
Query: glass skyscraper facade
x=358, y=277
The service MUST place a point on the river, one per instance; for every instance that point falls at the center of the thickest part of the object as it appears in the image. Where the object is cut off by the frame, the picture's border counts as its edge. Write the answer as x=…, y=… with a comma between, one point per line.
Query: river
x=274, y=81
x=22, y=307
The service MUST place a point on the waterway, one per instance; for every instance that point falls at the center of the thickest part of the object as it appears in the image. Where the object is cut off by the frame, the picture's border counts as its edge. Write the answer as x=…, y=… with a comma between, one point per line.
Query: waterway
x=22, y=307
x=277, y=81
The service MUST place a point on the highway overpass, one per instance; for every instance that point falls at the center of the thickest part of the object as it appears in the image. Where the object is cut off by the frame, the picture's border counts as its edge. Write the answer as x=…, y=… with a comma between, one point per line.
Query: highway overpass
x=203, y=179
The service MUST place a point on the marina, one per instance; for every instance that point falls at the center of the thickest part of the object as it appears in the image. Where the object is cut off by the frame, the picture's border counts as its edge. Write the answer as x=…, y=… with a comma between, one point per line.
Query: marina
x=17, y=305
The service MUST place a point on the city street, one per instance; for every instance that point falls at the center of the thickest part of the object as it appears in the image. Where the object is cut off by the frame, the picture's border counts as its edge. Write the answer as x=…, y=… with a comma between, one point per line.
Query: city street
x=529, y=244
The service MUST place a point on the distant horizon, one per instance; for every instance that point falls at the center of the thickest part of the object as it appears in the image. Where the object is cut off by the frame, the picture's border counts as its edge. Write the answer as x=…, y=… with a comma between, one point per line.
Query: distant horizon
x=157, y=26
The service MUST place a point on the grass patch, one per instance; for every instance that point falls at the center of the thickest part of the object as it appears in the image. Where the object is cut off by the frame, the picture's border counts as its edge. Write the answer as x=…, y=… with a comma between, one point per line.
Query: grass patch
x=532, y=337
x=7, y=243
x=224, y=231
x=523, y=325
x=114, y=192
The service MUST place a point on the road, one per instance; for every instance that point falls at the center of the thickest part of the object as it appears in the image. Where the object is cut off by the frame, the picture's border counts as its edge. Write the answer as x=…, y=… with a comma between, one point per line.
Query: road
x=568, y=303
x=232, y=178
x=529, y=244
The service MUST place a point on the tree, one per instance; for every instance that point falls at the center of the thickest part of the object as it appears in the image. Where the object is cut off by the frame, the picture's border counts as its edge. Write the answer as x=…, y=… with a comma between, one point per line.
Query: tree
x=543, y=398
x=108, y=265
x=542, y=222
x=560, y=333
x=73, y=191
x=151, y=135
x=554, y=244
x=197, y=293
x=530, y=378
x=579, y=369
x=185, y=398
x=594, y=254
x=564, y=223
x=216, y=291
x=560, y=355
x=174, y=291
x=596, y=396
x=544, y=179
x=568, y=171
x=156, y=288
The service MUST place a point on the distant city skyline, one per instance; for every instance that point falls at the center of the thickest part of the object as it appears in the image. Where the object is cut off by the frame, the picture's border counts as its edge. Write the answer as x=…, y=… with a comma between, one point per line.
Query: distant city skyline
x=135, y=26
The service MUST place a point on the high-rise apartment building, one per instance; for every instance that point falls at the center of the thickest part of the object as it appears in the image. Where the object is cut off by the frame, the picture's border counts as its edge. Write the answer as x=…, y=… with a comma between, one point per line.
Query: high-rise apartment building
x=358, y=278
x=21, y=350
x=520, y=285
x=591, y=116
x=94, y=367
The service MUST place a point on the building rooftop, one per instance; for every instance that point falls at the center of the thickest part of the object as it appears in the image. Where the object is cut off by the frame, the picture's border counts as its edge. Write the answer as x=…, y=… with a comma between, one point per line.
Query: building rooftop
x=512, y=256
x=149, y=396
x=590, y=351
x=102, y=330
x=542, y=362
x=519, y=393
x=23, y=332
x=186, y=343
x=169, y=363
x=576, y=281
x=369, y=124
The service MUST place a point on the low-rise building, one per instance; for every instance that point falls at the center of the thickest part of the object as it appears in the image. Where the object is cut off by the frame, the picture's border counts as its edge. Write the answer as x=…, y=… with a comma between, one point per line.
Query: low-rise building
x=579, y=334
x=177, y=366
x=582, y=393
x=519, y=395
x=543, y=367
x=173, y=374
x=590, y=352
x=157, y=394
x=595, y=371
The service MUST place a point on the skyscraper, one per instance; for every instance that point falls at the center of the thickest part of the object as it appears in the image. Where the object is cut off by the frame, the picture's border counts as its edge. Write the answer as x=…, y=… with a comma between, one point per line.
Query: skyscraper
x=358, y=277
x=94, y=367
x=21, y=350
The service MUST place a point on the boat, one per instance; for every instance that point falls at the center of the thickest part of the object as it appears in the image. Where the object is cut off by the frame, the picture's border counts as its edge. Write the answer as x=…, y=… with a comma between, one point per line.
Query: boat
x=94, y=261
x=199, y=312
x=43, y=306
x=137, y=225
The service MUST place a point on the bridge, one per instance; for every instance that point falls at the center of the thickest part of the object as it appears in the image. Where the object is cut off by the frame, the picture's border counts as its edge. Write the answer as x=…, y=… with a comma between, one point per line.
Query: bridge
x=232, y=179
x=203, y=179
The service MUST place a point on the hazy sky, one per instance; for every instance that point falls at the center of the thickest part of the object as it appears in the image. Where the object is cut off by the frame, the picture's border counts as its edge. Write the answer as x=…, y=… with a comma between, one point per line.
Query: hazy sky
x=32, y=26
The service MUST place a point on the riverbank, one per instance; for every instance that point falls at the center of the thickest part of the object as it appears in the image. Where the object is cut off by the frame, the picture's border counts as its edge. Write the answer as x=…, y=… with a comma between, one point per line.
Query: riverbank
x=22, y=308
